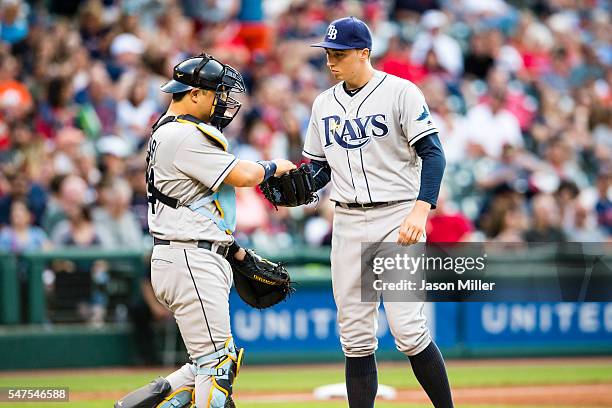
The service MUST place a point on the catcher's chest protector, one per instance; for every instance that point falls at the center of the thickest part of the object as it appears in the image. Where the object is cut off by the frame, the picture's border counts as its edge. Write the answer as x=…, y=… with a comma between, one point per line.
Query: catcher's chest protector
x=224, y=199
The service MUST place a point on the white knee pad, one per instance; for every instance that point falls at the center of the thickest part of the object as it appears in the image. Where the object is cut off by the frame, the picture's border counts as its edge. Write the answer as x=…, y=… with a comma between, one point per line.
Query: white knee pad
x=223, y=374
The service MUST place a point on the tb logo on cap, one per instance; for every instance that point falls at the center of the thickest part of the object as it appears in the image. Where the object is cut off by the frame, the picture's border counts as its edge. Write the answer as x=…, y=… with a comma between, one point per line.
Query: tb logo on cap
x=331, y=32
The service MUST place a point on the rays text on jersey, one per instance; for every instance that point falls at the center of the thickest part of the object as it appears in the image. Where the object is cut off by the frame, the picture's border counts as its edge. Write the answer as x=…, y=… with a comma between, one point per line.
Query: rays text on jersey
x=354, y=133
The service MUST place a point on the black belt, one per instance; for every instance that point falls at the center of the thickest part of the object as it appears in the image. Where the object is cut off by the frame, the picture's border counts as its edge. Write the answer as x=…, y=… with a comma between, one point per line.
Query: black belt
x=221, y=249
x=369, y=205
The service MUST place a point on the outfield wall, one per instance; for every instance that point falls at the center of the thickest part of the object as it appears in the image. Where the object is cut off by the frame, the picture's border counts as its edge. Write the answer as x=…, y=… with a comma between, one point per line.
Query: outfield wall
x=302, y=329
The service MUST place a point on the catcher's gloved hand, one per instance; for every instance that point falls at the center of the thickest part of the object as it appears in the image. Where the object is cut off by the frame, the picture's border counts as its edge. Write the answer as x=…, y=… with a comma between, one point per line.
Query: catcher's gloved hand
x=259, y=282
x=292, y=189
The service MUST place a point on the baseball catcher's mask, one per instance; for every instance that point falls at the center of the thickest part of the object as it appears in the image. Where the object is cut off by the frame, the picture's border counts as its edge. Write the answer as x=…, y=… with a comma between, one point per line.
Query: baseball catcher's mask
x=205, y=72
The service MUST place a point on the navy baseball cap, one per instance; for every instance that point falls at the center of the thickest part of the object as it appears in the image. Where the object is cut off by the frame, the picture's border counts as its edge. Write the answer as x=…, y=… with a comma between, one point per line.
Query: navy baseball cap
x=345, y=34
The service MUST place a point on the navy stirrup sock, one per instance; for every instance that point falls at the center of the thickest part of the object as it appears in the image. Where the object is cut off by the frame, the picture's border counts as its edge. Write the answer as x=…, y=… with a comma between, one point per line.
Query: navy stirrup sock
x=429, y=369
x=361, y=381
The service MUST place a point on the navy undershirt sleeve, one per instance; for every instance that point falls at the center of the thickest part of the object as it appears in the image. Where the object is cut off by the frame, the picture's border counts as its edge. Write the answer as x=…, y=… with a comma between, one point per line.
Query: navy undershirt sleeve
x=321, y=172
x=430, y=151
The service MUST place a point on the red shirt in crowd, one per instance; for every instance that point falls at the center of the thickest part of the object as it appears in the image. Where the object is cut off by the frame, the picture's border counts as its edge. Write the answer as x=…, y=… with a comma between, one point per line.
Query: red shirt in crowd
x=448, y=227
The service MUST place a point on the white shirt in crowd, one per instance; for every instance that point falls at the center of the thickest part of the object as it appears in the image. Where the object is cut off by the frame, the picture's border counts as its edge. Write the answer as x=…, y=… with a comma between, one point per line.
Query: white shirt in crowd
x=492, y=130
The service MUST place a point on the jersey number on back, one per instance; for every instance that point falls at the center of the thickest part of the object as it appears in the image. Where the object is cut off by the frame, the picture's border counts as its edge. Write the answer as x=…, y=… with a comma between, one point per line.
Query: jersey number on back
x=150, y=177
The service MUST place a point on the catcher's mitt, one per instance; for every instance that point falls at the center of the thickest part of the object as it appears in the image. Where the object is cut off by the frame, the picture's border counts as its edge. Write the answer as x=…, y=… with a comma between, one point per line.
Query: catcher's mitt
x=259, y=282
x=292, y=189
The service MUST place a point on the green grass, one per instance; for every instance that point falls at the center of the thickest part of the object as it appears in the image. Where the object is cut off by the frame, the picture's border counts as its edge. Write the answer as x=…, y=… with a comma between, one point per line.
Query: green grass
x=288, y=379
x=304, y=379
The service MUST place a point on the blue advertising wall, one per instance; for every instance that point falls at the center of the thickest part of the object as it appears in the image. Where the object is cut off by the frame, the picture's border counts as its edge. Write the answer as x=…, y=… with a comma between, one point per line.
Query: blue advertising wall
x=305, y=328
x=553, y=326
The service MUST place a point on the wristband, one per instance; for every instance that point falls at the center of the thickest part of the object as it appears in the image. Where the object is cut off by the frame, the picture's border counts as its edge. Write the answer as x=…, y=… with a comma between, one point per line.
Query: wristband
x=269, y=168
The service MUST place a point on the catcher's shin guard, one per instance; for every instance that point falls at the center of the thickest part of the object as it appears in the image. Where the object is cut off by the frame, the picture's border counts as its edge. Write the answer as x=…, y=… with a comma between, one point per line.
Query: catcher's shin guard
x=222, y=375
x=147, y=396
x=182, y=398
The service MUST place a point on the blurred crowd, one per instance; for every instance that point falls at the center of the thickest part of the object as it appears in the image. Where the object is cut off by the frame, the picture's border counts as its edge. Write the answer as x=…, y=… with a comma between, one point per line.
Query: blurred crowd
x=520, y=90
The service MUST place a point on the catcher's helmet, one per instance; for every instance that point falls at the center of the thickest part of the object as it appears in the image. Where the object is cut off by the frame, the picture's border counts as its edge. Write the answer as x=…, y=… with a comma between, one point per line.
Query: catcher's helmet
x=205, y=72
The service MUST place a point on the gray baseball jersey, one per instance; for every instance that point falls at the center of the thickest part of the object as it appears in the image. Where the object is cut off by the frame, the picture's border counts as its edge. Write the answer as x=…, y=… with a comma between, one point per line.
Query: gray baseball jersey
x=367, y=139
x=186, y=165
x=192, y=282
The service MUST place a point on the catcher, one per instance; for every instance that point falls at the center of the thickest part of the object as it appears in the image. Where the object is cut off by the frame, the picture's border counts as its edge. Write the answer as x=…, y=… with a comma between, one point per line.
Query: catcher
x=259, y=283
x=190, y=183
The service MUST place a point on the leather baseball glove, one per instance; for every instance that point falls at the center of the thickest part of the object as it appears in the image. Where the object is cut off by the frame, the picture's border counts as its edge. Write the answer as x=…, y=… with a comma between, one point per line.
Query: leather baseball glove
x=292, y=189
x=259, y=282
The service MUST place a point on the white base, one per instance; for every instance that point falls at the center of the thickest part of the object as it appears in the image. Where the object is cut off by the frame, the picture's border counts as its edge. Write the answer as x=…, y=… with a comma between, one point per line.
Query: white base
x=331, y=391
